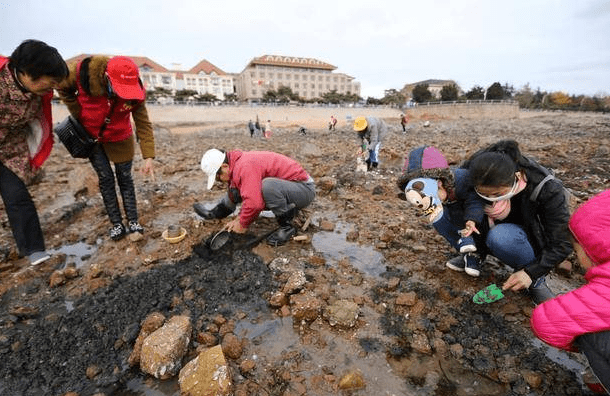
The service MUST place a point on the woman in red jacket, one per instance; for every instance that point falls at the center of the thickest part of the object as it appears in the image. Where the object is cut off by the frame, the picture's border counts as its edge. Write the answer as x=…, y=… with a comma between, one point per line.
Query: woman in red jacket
x=580, y=319
x=103, y=94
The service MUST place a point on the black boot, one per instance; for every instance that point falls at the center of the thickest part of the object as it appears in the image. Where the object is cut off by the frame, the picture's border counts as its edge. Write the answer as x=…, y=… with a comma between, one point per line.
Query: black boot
x=220, y=211
x=286, y=230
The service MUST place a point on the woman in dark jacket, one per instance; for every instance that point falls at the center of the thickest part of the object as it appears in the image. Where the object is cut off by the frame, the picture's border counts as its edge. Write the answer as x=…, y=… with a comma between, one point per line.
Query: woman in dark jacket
x=528, y=215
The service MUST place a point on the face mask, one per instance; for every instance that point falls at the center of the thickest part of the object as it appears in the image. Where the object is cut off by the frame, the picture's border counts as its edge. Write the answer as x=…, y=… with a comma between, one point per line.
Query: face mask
x=504, y=197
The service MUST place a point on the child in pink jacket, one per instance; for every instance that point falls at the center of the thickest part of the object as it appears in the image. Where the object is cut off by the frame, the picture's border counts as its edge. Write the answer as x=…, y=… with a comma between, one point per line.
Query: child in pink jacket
x=580, y=319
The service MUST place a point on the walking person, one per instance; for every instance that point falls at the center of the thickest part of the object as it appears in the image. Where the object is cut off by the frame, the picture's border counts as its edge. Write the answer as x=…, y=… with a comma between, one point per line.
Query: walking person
x=404, y=120
x=103, y=94
x=251, y=128
x=27, y=80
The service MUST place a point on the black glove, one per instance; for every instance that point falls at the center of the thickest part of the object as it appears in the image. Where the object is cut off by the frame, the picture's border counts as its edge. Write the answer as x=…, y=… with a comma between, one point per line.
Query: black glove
x=219, y=211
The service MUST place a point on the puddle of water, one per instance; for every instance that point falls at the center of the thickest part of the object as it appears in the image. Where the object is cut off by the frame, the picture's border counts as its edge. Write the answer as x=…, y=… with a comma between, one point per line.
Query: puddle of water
x=334, y=247
x=276, y=335
x=562, y=358
x=76, y=253
x=152, y=387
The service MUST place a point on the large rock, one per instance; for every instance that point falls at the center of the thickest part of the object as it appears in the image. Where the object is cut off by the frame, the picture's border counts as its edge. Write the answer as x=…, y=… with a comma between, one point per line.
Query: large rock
x=207, y=374
x=163, y=350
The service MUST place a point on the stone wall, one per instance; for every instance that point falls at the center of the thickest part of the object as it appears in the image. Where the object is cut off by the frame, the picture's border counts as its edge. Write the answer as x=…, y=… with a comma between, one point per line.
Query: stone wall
x=497, y=110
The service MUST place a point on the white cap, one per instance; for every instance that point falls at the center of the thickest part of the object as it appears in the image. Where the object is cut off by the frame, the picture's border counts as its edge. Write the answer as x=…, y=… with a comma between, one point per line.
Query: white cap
x=210, y=163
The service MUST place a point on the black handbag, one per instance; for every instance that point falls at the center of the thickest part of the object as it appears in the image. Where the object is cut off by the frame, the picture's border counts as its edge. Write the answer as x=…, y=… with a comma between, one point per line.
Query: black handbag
x=75, y=138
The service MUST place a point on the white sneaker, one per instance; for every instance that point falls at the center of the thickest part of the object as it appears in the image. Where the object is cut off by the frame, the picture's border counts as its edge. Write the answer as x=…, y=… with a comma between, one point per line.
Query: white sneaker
x=38, y=258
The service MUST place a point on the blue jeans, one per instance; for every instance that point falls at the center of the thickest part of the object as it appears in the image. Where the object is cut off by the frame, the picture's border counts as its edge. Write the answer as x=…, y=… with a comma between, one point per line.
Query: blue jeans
x=449, y=226
x=374, y=153
x=508, y=243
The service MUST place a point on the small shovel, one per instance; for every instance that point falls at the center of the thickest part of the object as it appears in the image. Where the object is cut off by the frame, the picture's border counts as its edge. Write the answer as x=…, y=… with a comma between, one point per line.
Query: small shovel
x=489, y=294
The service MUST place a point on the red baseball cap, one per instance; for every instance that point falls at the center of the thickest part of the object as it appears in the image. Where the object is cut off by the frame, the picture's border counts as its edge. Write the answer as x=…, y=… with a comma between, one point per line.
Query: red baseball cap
x=125, y=78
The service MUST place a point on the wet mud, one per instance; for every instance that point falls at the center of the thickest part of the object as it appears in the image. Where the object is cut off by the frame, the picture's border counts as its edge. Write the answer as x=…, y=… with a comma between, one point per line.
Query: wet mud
x=417, y=333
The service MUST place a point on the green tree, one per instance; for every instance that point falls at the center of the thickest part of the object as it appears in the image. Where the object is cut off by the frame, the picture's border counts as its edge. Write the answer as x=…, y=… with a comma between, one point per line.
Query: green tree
x=230, y=98
x=394, y=97
x=495, y=92
x=449, y=92
x=421, y=93
x=475, y=93
x=183, y=94
x=207, y=97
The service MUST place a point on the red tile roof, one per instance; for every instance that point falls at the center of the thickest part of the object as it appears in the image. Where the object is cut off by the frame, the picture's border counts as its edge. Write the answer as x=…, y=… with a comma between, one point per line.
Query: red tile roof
x=291, y=61
x=141, y=61
x=207, y=68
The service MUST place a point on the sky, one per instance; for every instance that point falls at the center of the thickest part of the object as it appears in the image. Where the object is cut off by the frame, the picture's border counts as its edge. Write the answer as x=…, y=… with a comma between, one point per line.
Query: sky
x=551, y=45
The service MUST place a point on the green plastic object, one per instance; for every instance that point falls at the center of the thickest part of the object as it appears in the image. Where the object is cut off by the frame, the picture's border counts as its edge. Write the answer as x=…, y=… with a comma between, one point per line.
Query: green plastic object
x=488, y=295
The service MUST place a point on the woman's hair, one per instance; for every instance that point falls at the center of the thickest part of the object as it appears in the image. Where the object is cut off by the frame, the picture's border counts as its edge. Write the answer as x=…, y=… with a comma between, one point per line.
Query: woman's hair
x=496, y=164
x=37, y=59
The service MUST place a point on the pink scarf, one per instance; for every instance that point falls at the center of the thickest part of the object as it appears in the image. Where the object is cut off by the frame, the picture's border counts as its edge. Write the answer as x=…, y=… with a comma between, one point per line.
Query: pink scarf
x=499, y=210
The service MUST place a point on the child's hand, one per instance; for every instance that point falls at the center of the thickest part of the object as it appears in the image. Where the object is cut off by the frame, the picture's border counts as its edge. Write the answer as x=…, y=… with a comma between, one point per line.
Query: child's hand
x=469, y=228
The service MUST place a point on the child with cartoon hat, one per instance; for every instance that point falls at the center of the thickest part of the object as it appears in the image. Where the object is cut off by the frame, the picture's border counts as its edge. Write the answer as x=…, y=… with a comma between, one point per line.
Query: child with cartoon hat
x=447, y=197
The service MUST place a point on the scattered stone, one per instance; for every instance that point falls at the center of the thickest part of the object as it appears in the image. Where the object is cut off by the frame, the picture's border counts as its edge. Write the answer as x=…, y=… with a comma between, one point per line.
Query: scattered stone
x=342, y=313
x=352, y=381
x=326, y=225
x=207, y=339
x=57, y=278
x=247, y=366
x=93, y=371
x=305, y=306
x=278, y=299
x=532, y=378
x=231, y=346
x=409, y=299
x=295, y=282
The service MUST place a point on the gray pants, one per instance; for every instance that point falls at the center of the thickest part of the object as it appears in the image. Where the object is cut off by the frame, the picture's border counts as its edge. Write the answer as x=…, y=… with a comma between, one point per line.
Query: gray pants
x=282, y=195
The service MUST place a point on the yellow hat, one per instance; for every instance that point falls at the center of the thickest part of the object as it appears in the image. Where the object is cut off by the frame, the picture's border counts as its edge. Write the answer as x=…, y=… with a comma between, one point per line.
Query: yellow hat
x=360, y=124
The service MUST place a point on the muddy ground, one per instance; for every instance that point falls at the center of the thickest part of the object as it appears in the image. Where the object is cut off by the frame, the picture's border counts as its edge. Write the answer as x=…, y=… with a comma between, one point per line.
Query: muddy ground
x=418, y=331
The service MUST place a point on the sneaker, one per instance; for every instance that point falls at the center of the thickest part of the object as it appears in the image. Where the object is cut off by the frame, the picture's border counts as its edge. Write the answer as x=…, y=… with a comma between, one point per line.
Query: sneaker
x=457, y=263
x=134, y=226
x=136, y=231
x=117, y=232
x=466, y=245
x=539, y=291
x=472, y=263
x=38, y=258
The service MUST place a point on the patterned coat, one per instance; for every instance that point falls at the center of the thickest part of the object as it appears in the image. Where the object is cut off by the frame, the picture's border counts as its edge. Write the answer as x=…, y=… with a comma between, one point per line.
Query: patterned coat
x=26, y=138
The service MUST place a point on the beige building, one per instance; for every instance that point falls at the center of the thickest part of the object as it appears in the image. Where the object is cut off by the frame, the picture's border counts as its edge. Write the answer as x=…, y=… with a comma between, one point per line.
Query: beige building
x=306, y=77
x=434, y=86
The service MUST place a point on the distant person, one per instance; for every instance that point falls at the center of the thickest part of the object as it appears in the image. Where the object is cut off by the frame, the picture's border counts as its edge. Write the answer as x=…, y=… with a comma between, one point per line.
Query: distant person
x=528, y=213
x=103, y=94
x=257, y=126
x=371, y=131
x=267, y=132
x=258, y=180
x=332, y=125
x=580, y=319
x=404, y=120
x=27, y=80
x=251, y=128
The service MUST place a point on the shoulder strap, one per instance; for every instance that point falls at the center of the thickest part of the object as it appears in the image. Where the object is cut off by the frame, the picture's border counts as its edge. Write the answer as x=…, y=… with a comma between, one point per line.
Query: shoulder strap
x=536, y=192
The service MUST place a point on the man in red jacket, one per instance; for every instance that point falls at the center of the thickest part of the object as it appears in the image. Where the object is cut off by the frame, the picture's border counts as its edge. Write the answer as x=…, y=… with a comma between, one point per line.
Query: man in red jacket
x=259, y=180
